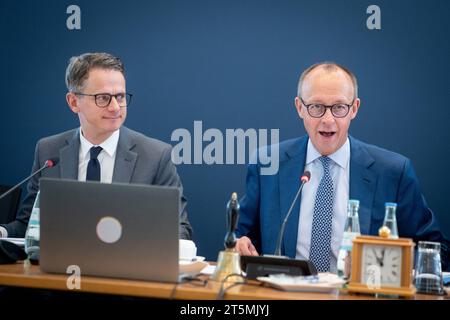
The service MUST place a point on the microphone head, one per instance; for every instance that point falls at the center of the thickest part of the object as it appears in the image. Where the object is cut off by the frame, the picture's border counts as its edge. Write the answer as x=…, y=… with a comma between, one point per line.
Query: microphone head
x=305, y=176
x=51, y=162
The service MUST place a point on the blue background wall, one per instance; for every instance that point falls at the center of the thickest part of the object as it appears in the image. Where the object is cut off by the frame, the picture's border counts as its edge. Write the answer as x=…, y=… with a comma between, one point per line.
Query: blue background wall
x=233, y=64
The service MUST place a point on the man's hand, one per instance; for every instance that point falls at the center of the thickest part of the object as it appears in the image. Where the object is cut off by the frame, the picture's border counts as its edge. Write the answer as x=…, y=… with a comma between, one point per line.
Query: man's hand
x=245, y=247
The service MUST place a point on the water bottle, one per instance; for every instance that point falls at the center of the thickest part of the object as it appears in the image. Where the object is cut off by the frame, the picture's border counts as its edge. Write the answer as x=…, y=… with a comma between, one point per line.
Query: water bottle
x=32, y=234
x=351, y=231
x=390, y=219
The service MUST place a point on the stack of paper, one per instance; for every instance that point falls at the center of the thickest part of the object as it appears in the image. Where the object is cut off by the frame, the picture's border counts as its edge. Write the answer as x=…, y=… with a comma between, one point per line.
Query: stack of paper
x=19, y=241
x=323, y=282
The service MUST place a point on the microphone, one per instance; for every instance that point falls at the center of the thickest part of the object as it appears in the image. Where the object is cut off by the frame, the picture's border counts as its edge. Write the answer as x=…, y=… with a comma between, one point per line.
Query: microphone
x=48, y=164
x=265, y=265
x=304, y=179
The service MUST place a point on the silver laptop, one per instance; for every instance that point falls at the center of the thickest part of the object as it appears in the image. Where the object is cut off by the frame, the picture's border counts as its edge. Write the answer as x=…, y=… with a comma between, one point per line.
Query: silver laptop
x=124, y=231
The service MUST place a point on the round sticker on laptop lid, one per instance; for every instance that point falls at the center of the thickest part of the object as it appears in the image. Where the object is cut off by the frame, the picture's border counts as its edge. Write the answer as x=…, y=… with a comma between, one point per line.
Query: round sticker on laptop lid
x=109, y=229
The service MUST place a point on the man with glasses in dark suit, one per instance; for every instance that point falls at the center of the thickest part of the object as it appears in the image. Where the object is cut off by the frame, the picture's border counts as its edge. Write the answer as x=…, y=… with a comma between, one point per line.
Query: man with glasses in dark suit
x=101, y=149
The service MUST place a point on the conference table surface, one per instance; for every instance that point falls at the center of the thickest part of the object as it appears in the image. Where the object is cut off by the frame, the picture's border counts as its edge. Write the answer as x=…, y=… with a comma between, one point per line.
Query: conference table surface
x=25, y=275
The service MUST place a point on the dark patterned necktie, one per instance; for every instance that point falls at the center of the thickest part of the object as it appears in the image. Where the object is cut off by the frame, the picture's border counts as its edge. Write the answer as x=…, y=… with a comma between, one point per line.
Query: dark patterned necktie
x=320, y=250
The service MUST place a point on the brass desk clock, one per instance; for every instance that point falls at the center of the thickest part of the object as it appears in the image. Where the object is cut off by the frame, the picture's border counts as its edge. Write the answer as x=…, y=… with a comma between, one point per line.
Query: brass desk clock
x=382, y=266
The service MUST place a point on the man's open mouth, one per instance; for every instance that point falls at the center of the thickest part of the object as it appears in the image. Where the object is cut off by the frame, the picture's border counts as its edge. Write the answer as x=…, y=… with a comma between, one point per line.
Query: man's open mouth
x=327, y=133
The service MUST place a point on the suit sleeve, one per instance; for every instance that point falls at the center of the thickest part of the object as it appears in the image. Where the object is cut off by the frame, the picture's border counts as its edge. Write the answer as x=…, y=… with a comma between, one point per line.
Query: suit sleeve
x=248, y=223
x=18, y=227
x=167, y=176
x=415, y=218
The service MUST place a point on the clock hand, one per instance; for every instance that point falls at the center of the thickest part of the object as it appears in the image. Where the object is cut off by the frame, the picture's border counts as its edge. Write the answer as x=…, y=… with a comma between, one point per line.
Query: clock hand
x=382, y=257
x=379, y=258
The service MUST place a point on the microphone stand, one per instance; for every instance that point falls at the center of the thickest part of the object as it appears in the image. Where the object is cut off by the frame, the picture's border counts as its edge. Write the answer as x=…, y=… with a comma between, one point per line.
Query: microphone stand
x=258, y=266
x=45, y=166
x=283, y=226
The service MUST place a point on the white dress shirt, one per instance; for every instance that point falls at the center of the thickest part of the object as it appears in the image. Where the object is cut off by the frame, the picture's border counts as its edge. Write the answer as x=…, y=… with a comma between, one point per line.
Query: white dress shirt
x=340, y=173
x=106, y=157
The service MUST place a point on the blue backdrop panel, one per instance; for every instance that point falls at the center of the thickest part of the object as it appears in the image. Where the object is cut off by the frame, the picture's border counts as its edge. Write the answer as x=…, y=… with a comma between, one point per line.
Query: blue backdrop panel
x=233, y=64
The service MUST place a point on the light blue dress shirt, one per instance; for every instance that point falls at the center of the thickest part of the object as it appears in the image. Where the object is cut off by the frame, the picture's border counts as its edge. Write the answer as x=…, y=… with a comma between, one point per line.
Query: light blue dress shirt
x=340, y=173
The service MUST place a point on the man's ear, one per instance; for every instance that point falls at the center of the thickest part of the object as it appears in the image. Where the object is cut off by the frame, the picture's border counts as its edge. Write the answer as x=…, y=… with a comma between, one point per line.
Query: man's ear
x=72, y=101
x=298, y=106
x=355, y=108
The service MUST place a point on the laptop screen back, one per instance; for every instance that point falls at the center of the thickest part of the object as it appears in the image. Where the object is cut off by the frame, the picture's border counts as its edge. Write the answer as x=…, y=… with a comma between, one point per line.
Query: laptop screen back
x=113, y=230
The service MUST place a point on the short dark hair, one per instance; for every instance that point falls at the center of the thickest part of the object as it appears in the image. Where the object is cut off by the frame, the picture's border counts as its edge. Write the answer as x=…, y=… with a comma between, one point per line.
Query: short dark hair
x=79, y=66
x=328, y=66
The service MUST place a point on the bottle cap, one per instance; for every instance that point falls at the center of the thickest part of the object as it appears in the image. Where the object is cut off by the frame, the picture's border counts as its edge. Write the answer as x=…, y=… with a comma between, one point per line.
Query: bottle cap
x=390, y=204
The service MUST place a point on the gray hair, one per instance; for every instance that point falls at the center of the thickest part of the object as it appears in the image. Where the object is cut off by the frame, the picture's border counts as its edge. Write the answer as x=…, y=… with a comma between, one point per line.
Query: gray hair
x=78, y=69
x=328, y=66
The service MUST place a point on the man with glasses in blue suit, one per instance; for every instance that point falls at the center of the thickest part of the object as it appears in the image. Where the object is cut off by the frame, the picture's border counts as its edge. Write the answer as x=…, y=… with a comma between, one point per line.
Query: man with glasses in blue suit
x=342, y=168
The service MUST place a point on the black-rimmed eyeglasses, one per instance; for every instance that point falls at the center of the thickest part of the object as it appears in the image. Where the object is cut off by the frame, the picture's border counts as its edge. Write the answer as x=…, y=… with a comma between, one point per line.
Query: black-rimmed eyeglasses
x=338, y=110
x=102, y=100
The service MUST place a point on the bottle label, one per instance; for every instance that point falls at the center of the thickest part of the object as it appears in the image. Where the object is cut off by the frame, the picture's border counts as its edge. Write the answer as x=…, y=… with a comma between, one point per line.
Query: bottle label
x=34, y=219
x=347, y=240
x=33, y=233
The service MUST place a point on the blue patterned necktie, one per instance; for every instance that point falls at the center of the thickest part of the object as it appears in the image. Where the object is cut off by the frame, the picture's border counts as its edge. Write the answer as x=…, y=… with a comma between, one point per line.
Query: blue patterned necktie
x=320, y=250
x=93, y=172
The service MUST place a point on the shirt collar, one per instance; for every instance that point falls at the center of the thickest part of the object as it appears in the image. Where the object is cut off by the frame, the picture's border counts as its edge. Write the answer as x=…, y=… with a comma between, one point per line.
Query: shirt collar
x=109, y=145
x=341, y=156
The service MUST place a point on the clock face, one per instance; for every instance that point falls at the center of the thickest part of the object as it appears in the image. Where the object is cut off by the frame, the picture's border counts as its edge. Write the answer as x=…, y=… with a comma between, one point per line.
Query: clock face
x=381, y=265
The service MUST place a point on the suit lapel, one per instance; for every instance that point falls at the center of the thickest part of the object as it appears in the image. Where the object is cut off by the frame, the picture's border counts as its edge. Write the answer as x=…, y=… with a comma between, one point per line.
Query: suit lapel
x=69, y=157
x=362, y=182
x=289, y=182
x=125, y=158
